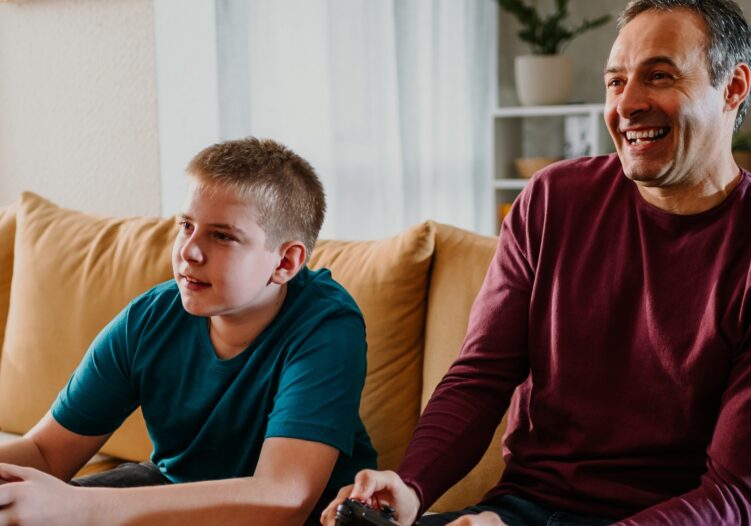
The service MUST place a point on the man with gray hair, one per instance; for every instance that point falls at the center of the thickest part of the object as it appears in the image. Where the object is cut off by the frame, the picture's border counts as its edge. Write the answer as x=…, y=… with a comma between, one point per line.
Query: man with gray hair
x=617, y=308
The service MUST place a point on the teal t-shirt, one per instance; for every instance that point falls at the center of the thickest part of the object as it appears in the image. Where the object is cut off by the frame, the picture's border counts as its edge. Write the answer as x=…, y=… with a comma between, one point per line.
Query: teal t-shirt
x=207, y=417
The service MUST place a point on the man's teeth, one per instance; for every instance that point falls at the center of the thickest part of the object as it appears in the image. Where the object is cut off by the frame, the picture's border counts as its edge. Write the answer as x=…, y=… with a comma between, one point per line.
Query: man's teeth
x=635, y=137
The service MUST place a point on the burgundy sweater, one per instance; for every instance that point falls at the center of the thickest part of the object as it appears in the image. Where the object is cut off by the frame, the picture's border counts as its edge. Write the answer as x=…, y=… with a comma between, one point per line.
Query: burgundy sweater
x=627, y=332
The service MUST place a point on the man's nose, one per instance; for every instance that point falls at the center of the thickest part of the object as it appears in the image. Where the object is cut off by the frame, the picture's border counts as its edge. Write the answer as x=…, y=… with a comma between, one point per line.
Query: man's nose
x=633, y=100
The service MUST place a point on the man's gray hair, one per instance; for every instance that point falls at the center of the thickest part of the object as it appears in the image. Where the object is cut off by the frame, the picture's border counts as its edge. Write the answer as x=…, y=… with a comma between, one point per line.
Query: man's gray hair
x=729, y=36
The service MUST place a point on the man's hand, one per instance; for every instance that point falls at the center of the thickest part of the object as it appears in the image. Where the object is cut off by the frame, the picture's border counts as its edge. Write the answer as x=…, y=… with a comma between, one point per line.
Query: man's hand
x=378, y=488
x=486, y=518
x=32, y=497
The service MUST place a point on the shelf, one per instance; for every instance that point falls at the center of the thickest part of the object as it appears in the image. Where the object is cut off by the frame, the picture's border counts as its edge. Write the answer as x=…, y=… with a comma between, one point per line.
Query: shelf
x=510, y=184
x=575, y=130
x=548, y=111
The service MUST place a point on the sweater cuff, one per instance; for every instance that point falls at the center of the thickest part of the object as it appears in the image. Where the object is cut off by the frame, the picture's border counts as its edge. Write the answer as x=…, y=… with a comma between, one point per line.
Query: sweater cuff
x=415, y=486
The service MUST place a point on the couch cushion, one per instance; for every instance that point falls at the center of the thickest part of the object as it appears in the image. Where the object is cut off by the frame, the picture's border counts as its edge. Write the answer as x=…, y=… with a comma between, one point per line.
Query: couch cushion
x=460, y=262
x=7, y=236
x=388, y=279
x=72, y=273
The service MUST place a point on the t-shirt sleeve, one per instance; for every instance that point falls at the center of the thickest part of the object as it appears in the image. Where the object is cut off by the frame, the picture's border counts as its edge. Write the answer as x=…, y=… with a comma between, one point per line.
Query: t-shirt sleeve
x=99, y=395
x=318, y=397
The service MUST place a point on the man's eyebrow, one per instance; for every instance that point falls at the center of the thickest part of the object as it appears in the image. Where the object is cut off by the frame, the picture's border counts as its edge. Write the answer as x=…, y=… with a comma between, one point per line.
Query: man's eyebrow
x=651, y=61
x=661, y=59
x=611, y=69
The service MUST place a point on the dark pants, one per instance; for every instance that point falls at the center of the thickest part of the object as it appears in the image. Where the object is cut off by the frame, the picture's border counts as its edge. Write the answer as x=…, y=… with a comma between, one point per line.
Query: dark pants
x=515, y=511
x=130, y=475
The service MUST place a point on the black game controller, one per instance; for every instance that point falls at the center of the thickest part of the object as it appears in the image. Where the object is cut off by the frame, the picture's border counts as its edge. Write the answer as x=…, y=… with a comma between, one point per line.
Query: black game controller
x=354, y=513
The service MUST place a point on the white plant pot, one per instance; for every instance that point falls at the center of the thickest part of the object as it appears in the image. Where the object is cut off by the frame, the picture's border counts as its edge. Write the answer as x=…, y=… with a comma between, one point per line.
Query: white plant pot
x=543, y=79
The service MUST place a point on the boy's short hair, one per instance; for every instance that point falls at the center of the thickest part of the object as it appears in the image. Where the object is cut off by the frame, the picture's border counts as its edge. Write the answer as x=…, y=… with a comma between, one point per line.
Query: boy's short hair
x=283, y=186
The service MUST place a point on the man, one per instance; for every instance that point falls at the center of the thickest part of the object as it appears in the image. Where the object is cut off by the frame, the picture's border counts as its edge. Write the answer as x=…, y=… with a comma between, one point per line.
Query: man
x=618, y=306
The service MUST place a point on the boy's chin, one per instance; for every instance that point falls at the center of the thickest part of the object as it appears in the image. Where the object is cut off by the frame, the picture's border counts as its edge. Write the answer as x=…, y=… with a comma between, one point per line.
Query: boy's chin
x=195, y=310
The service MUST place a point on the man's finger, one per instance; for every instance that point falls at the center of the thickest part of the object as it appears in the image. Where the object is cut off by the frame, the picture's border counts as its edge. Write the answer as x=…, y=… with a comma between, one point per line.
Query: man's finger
x=486, y=518
x=368, y=482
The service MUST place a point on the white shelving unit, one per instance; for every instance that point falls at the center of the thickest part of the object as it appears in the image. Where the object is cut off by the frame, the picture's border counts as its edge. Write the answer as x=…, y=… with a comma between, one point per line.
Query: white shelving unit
x=578, y=129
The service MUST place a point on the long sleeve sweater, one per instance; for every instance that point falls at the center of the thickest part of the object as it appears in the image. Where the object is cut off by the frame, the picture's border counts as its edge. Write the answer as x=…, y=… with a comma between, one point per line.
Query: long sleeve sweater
x=624, y=334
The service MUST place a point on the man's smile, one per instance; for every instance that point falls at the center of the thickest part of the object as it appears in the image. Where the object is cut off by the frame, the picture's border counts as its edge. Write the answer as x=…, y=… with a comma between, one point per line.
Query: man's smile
x=643, y=135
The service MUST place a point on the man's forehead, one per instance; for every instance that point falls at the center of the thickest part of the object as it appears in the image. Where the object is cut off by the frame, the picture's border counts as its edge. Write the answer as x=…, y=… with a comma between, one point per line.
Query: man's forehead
x=659, y=36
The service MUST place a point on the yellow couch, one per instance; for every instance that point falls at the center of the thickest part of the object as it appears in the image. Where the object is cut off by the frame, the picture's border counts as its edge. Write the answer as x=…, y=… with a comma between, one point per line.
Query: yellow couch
x=64, y=274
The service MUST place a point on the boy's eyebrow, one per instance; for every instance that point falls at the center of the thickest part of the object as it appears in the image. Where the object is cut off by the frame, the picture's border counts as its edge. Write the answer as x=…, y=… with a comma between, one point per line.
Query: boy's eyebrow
x=651, y=61
x=224, y=226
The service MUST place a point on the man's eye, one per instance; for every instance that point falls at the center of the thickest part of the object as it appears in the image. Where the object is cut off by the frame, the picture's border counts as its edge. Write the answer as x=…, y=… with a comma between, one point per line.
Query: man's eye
x=613, y=83
x=185, y=226
x=659, y=76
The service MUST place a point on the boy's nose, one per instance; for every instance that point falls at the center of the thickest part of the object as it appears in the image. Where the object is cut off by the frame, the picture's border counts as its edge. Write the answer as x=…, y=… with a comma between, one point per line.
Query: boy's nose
x=192, y=252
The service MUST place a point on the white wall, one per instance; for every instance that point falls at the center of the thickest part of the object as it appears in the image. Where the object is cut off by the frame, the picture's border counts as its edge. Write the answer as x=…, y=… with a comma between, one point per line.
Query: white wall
x=78, y=110
x=78, y=98
x=186, y=63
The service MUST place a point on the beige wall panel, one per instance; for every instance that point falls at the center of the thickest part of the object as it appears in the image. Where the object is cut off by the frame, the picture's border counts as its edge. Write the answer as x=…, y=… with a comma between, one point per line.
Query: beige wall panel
x=78, y=119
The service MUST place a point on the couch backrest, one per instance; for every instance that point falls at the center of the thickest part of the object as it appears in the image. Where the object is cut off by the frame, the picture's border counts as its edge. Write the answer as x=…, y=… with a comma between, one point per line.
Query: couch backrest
x=389, y=280
x=7, y=237
x=72, y=273
x=460, y=261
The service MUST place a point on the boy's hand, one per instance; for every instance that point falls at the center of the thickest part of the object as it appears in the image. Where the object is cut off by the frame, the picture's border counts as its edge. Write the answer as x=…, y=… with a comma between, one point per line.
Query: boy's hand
x=32, y=497
x=485, y=518
x=376, y=489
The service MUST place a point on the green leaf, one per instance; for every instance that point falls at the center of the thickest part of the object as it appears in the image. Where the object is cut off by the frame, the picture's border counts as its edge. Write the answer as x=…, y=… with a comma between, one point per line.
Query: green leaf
x=741, y=142
x=547, y=35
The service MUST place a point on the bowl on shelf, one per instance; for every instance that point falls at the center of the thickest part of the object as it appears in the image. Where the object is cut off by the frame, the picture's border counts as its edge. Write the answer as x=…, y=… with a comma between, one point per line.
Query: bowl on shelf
x=527, y=166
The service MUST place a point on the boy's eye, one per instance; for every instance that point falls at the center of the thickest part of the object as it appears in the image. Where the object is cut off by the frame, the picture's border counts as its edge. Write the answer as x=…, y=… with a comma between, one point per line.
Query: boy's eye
x=221, y=236
x=184, y=225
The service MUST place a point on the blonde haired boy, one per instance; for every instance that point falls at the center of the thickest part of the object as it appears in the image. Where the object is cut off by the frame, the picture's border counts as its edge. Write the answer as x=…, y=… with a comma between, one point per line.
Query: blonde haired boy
x=248, y=367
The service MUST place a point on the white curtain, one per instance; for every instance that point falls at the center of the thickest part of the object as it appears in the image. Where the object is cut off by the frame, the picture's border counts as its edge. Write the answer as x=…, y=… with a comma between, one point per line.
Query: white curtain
x=390, y=101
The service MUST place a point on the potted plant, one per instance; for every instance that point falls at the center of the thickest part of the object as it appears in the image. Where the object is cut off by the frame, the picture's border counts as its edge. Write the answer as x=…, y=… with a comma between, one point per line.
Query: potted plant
x=545, y=76
x=742, y=149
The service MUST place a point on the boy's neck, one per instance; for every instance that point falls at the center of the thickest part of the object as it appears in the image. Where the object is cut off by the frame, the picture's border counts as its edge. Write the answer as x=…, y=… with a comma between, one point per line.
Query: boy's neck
x=232, y=334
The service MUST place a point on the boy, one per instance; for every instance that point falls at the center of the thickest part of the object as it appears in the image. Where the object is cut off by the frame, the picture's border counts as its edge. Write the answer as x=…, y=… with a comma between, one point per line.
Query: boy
x=248, y=367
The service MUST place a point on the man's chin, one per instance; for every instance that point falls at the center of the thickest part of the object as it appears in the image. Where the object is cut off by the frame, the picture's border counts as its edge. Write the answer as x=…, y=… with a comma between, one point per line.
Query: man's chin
x=643, y=180
x=646, y=176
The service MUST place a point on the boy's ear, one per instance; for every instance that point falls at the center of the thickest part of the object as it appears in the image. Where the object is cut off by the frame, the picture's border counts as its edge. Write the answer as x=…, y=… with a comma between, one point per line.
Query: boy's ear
x=293, y=255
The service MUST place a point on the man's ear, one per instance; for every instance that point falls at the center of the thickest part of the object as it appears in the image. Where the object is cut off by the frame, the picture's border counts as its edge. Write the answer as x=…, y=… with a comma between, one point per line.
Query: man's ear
x=293, y=255
x=737, y=87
